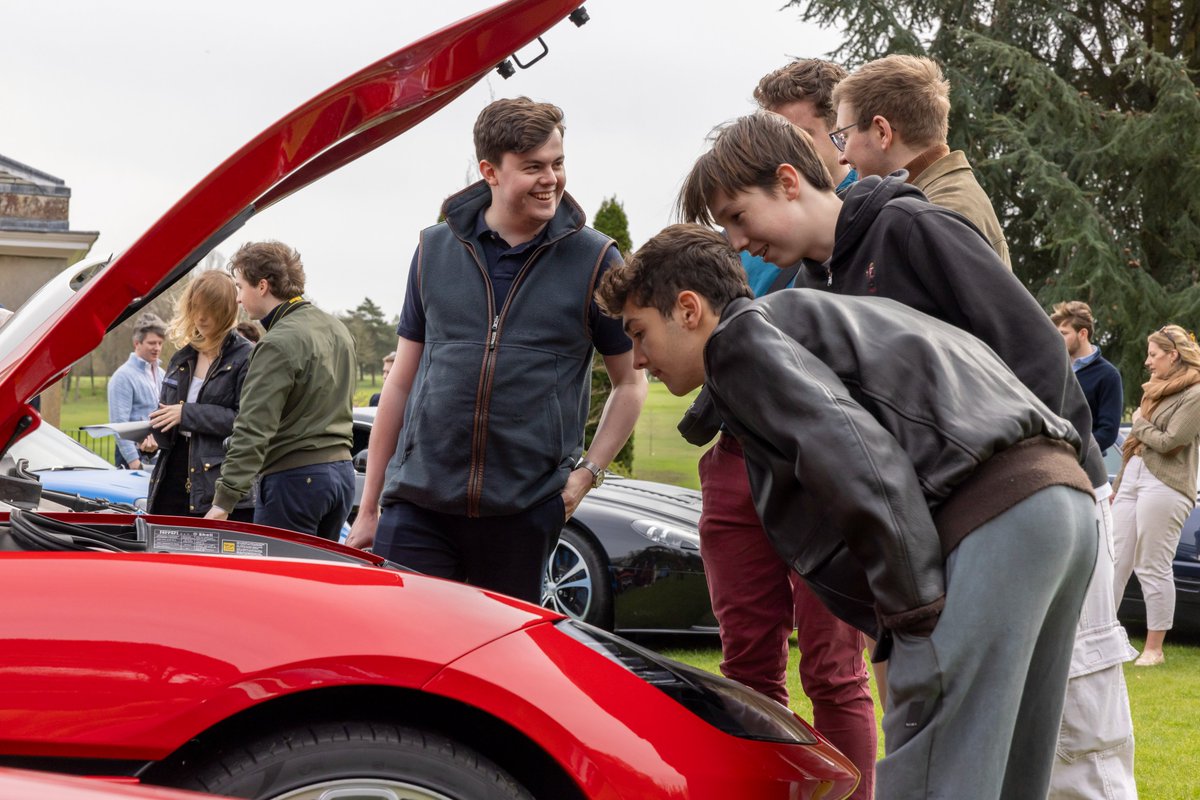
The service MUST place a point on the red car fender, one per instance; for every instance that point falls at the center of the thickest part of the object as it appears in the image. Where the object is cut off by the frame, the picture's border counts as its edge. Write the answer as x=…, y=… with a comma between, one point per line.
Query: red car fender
x=584, y=709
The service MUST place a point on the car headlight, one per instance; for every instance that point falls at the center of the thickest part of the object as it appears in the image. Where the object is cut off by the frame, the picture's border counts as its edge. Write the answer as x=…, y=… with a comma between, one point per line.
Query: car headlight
x=660, y=533
x=726, y=705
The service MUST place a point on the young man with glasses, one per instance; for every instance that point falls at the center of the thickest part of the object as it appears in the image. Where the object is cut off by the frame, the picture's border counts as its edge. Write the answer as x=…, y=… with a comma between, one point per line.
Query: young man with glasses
x=893, y=114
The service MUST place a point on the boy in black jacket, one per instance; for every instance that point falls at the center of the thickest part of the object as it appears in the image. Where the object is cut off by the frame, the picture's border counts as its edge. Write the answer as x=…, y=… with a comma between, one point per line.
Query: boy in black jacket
x=905, y=473
x=884, y=240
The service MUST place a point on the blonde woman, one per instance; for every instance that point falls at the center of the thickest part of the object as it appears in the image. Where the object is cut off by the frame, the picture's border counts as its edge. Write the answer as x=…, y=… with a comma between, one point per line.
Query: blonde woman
x=200, y=397
x=1156, y=488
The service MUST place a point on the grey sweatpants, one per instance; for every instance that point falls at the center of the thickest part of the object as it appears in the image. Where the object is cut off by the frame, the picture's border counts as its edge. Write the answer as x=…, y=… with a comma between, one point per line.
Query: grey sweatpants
x=973, y=711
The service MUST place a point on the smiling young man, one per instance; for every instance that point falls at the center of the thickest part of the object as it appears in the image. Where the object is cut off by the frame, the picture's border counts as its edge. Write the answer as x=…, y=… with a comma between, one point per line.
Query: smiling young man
x=476, y=457
x=899, y=467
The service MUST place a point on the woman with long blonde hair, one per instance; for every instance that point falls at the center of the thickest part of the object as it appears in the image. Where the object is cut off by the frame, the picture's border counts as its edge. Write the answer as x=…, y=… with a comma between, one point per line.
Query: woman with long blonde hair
x=1156, y=489
x=200, y=397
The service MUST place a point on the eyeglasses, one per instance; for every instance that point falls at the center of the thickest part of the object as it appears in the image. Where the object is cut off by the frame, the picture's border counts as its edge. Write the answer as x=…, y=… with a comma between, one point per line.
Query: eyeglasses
x=838, y=137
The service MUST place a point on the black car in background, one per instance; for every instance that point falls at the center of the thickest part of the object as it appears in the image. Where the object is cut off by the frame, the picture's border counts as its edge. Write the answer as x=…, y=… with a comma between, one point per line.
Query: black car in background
x=1186, y=565
x=629, y=560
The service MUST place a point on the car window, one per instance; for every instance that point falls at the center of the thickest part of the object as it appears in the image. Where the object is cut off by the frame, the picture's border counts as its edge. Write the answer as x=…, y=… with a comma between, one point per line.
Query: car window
x=49, y=448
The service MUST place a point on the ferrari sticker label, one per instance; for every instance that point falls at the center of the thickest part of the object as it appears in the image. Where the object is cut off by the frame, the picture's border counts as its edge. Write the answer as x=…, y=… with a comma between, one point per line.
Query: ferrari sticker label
x=176, y=540
x=241, y=547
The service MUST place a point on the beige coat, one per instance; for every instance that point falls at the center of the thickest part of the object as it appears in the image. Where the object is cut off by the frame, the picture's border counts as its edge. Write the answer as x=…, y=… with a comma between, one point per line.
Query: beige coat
x=950, y=183
x=1170, y=437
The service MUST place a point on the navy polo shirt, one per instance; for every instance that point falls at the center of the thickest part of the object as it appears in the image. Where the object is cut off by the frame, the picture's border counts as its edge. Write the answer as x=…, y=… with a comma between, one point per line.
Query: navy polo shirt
x=503, y=263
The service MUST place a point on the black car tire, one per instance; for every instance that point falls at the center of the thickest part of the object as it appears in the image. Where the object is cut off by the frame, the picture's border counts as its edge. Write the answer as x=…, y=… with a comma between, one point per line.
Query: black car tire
x=577, y=580
x=361, y=759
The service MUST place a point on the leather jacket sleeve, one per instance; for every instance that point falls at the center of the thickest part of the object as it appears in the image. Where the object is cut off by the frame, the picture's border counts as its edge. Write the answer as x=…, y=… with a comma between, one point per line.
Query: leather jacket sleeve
x=821, y=466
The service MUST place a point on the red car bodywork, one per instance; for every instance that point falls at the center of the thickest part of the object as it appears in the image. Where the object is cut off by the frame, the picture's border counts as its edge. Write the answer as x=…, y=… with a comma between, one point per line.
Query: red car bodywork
x=113, y=663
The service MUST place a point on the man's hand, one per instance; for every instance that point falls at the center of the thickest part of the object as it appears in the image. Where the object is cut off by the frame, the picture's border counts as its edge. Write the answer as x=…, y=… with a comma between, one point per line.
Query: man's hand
x=166, y=417
x=578, y=484
x=216, y=512
x=135, y=464
x=362, y=532
x=148, y=445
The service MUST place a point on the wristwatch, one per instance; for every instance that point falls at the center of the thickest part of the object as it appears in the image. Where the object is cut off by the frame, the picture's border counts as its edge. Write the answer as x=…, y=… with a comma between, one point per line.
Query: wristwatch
x=596, y=470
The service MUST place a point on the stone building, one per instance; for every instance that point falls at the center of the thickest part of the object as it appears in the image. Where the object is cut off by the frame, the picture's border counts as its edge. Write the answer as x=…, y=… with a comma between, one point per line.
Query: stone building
x=36, y=241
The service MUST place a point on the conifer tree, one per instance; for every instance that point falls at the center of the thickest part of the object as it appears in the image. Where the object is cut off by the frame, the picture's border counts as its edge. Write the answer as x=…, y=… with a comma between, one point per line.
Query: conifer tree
x=1081, y=120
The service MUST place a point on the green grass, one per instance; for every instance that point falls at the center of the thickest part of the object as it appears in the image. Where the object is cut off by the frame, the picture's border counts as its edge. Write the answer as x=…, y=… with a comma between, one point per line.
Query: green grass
x=1165, y=701
x=659, y=452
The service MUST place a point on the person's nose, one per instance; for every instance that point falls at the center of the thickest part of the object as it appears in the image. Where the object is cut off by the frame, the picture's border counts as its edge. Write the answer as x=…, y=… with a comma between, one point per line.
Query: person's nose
x=639, y=356
x=842, y=159
x=737, y=240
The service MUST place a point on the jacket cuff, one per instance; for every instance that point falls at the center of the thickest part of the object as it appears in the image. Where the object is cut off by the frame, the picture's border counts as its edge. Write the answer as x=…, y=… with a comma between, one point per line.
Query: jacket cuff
x=918, y=621
x=225, y=497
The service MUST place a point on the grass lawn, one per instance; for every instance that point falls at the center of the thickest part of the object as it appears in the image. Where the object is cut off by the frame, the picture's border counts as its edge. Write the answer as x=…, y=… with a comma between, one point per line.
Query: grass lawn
x=659, y=452
x=1165, y=700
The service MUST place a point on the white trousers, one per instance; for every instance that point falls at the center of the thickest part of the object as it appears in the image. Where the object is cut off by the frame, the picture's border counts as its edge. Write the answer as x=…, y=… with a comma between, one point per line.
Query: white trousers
x=1148, y=517
x=1094, y=756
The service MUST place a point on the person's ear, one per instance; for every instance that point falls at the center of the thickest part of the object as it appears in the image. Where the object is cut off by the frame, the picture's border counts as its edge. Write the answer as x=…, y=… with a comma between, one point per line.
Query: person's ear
x=881, y=128
x=689, y=308
x=488, y=171
x=789, y=179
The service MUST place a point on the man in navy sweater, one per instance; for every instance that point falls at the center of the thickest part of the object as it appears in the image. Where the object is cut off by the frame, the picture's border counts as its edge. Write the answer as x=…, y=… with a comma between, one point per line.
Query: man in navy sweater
x=1100, y=381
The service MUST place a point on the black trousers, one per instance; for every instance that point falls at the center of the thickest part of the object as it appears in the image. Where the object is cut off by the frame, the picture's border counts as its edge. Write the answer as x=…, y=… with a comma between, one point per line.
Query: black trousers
x=506, y=554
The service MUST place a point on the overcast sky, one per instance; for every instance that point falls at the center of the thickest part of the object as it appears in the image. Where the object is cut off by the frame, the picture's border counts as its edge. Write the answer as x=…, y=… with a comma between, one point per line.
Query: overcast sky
x=131, y=103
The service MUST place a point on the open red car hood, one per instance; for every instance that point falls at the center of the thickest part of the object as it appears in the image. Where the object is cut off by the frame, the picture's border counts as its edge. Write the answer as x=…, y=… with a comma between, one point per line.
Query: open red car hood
x=350, y=119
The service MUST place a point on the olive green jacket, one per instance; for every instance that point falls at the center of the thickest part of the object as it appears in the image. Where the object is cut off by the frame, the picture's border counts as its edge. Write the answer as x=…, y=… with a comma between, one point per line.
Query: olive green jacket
x=296, y=402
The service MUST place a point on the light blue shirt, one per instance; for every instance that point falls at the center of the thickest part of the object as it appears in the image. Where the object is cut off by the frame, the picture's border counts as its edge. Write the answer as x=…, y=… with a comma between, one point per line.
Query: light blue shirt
x=1079, y=363
x=133, y=392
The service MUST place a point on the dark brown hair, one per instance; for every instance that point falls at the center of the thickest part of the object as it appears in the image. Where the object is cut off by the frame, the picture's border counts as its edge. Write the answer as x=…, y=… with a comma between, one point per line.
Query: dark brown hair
x=275, y=262
x=514, y=125
x=810, y=79
x=746, y=153
x=910, y=92
x=678, y=258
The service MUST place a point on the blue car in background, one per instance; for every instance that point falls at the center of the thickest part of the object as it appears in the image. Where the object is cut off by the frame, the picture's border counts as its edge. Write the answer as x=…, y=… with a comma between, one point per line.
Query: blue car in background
x=75, y=476
x=1186, y=565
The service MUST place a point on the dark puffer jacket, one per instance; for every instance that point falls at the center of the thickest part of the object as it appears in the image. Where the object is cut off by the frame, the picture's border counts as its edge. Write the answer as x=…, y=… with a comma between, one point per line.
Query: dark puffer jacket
x=209, y=420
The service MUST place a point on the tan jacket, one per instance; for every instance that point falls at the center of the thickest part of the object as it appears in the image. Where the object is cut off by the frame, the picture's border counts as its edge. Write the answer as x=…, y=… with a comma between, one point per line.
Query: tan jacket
x=950, y=183
x=1170, y=438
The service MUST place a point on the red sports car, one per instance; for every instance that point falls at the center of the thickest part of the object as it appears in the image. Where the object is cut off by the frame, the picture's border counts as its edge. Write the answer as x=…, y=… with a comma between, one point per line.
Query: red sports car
x=253, y=662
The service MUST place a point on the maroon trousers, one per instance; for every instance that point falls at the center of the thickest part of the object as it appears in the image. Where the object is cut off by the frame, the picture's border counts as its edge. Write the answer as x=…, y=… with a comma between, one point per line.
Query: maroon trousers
x=758, y=599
